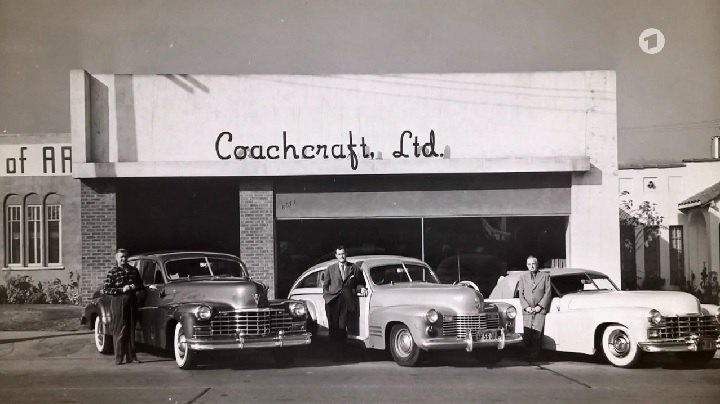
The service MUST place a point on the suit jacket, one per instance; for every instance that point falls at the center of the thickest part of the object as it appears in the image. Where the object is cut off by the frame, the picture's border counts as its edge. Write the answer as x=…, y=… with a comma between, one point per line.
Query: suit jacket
x=335, y=286
x=533, y=294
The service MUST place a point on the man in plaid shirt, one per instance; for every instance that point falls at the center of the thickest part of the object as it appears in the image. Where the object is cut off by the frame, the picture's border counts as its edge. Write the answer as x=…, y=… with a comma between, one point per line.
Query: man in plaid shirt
x=121, y=284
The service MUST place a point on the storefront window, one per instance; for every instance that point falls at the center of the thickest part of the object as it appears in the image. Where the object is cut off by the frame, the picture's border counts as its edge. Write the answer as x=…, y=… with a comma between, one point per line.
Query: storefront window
x=304, y=243
x=468, y=248
x=481, y=249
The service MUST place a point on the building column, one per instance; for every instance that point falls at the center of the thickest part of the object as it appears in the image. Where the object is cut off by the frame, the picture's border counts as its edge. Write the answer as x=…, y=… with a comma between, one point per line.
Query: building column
x=257, y=230
x=98, y=233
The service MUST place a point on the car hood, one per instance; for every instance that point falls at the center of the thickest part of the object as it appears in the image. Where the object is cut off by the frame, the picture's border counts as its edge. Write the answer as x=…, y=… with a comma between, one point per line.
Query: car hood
x=236, y=293
x=461, y=299
x=668, y=303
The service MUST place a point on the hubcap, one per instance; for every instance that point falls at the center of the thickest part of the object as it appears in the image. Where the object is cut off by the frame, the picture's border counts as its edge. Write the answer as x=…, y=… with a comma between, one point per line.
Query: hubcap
x=619, y=343
x=404, y=343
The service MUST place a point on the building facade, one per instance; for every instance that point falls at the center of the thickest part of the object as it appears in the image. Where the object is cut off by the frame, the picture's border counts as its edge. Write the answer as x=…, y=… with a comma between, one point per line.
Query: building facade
x=686, y=243
x=470, y=172
x=40, y=216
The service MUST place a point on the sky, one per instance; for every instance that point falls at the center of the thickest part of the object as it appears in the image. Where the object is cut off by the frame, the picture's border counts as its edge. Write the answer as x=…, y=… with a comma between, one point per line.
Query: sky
x=668, y=102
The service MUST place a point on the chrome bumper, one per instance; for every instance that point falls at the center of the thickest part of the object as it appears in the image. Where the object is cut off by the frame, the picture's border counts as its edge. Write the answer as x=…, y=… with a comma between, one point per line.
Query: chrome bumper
x=241, y=342
x=468, y=344
x=692, y=344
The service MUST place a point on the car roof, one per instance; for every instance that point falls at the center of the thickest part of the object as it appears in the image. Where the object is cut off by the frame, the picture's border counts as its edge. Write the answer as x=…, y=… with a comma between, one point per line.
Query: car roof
x=168, y=255
x=360, y=258
x=559, y=271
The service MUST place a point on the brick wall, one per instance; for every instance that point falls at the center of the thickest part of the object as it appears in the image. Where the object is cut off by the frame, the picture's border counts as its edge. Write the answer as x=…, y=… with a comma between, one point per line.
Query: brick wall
x=257, y=231
x=98, y=229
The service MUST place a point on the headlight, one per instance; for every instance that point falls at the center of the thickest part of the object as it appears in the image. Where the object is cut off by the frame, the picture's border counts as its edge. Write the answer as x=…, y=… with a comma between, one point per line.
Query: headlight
x=298, y=310
x=717, y=314
x=203, y=312
x=432, y=316
x=511, y=312
x=654, y=317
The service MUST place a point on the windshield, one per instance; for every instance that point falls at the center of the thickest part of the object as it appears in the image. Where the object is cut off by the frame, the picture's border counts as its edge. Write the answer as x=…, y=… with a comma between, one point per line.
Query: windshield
x=574, y=283
x=204, y=266
x=391, y=274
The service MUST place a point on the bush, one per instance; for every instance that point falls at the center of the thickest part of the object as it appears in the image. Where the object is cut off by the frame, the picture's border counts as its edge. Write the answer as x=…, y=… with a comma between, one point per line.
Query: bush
x=709, y=289
x=23, y=290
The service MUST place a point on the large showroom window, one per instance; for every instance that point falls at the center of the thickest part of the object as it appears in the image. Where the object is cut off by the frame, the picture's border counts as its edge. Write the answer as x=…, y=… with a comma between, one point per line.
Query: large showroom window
x=467, y=248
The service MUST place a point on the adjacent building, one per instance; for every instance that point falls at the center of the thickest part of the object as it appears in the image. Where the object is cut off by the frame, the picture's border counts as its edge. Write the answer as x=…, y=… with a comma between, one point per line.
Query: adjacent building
x=686, y=243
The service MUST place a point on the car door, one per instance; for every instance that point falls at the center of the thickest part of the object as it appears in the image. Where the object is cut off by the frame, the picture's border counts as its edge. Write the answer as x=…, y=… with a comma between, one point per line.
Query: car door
x=150, y=311
x=358, y=324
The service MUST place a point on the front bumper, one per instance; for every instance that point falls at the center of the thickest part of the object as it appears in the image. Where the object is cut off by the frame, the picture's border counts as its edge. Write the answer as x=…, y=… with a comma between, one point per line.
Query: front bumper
x=242, y=342
x=469, y=343
x=691, y=344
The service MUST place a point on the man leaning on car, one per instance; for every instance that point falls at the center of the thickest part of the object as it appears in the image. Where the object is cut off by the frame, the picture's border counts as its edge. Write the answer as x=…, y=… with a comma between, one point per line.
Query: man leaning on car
x=534, y=292
x=123, y=281
x=340, y=282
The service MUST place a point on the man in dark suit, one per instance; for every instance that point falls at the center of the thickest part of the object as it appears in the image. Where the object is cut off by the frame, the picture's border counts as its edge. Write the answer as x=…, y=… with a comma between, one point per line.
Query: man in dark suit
x=341, y=281
x=534, y=292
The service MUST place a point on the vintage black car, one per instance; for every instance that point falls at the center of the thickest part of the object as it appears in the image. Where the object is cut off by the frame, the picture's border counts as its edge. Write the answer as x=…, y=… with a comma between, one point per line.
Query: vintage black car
x=202, y=301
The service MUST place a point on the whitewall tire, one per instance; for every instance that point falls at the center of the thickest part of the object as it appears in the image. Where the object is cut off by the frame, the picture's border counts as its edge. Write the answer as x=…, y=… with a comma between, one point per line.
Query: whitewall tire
x=619, y=347
x=103, y=342
x=403, y=348
x=184, y=356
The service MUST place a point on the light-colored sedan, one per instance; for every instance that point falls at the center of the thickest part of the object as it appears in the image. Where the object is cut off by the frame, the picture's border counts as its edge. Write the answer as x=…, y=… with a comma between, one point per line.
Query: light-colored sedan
x=589, y=314
x=409, y=312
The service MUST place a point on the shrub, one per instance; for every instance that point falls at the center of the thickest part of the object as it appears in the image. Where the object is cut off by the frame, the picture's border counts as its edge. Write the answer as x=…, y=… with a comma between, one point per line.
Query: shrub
x=23, y=290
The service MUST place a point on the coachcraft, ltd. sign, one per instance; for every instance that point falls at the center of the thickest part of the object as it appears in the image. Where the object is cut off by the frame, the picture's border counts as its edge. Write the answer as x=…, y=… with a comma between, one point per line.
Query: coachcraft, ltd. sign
x=408, y=146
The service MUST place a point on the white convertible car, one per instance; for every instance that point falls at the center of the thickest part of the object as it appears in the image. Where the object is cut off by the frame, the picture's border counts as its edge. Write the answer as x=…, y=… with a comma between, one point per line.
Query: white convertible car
x=589, y=314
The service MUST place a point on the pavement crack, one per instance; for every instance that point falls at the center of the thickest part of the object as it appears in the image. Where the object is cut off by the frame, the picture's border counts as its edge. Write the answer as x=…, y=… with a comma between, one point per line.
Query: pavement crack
x=564, y=376
x=198, y=396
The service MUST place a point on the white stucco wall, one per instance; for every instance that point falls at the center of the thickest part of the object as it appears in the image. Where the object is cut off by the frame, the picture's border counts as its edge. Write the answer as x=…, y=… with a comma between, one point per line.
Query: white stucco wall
x=673, y=185
x=169, y=125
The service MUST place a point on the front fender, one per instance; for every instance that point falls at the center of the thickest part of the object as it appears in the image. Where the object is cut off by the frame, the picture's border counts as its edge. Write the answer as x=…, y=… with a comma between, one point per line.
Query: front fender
x=412, y=316
x=577, y=330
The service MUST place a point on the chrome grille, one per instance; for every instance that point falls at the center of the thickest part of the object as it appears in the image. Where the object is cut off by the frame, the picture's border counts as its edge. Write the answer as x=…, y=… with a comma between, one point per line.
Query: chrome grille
x=460, y=325
x=682, y=327
x=258, y=322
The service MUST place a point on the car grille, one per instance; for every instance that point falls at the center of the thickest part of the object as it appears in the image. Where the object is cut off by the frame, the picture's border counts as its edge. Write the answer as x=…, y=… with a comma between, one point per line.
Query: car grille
x=686, y=326
x=257, y=322
x=460, y=325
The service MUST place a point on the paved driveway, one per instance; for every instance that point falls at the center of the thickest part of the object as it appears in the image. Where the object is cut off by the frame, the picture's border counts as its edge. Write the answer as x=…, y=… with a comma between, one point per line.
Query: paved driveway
x=65, y=367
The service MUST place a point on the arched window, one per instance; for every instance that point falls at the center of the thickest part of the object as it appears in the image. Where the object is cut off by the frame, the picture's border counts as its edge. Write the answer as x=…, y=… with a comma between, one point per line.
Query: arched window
x=13, y=230
x=33, y=230
x=53, y=229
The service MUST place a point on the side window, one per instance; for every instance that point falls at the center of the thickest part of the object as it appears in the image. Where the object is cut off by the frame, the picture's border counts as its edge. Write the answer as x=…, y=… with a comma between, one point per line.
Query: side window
x=516, y=293
x=149, y=272
x=311, y=280
x=158, y=275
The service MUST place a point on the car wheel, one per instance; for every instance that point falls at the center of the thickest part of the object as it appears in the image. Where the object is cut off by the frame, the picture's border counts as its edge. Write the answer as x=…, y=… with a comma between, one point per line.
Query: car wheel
x=619, y=348
x=103, y=342
x=403, y=348
x=184, y=356
x=284, y=357
x=695, y=358
x=488, y=356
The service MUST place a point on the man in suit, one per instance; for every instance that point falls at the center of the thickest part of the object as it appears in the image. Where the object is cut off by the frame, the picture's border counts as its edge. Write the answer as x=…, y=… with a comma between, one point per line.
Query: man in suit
x=534, y=292
x=341, y=281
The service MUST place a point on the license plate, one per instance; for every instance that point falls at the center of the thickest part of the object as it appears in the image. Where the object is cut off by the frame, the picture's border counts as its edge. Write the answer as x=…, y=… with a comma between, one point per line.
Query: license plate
x=487, y=336
x=708, y=345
